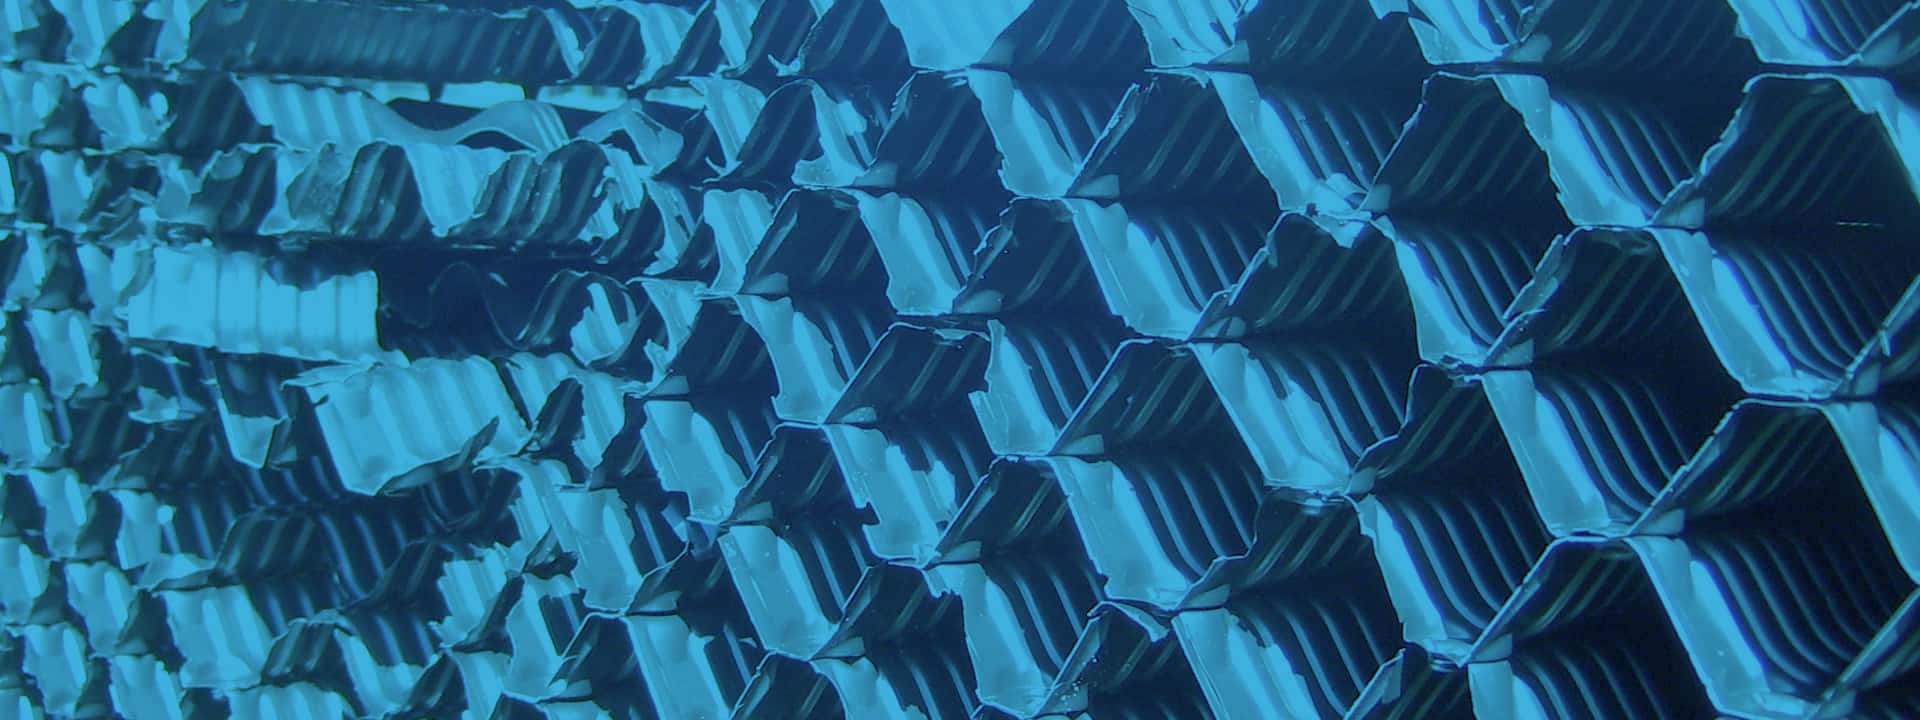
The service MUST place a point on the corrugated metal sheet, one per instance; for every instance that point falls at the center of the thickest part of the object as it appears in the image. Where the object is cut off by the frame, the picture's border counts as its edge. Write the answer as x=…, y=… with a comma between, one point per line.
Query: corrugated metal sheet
x=1007, y=359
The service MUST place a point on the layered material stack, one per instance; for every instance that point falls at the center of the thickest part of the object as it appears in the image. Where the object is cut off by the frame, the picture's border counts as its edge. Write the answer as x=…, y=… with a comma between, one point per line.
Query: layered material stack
x=959, y=359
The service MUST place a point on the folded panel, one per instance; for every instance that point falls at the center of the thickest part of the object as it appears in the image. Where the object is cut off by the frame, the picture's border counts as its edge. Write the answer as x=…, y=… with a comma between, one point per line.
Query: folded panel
x=1008, y=359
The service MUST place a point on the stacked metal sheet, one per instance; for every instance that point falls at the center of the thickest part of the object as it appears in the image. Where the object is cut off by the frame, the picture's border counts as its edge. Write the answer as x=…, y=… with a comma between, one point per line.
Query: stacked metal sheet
x=984, y=359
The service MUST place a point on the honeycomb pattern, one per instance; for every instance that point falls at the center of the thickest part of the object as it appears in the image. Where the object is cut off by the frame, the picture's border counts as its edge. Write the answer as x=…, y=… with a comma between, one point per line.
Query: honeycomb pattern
x=997, y=359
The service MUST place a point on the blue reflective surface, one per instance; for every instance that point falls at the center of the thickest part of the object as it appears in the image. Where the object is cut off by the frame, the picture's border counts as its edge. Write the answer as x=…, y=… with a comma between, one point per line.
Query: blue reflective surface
x=919, y=359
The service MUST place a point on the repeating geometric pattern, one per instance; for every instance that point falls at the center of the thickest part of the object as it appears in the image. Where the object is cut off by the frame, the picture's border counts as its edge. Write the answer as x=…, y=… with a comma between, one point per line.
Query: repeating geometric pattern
x=997, y=359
